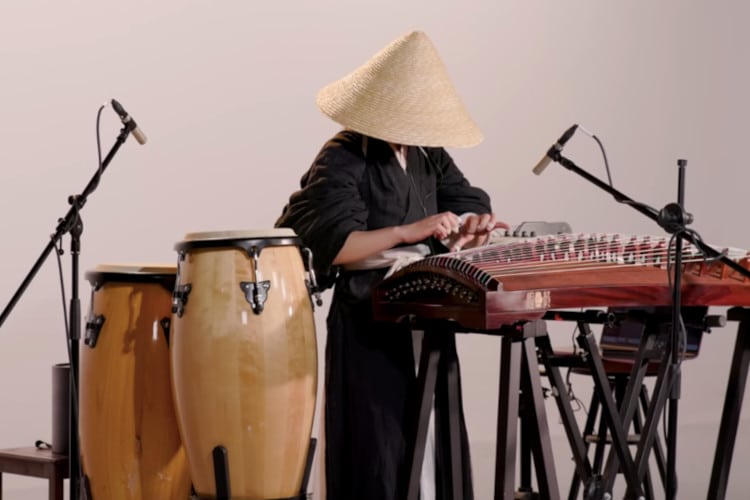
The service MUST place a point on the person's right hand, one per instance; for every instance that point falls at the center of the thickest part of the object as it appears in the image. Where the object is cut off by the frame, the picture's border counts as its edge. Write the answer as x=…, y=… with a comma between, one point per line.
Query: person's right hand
x=438, y=225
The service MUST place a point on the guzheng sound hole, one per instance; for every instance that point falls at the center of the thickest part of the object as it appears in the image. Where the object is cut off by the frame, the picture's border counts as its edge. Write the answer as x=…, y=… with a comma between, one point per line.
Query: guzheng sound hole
x=426, y=284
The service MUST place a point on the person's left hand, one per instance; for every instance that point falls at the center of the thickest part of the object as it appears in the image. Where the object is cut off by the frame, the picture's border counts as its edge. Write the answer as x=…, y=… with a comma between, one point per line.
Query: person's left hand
x=474, y=232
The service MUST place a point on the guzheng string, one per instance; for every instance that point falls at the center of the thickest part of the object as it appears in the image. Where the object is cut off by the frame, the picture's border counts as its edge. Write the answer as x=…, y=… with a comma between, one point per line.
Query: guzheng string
x=579, y=252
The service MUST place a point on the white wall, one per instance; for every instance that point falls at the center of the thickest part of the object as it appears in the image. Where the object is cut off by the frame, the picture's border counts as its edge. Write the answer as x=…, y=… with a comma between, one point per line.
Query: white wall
x=225, y=92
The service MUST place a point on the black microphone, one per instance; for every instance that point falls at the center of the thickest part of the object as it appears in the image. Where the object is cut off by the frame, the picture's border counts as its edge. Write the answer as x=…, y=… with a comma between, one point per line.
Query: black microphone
x=128, y=120
x=556, y=148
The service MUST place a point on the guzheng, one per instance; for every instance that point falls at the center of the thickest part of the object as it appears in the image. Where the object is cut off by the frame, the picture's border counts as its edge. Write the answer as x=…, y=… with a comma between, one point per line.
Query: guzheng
x=521, y=278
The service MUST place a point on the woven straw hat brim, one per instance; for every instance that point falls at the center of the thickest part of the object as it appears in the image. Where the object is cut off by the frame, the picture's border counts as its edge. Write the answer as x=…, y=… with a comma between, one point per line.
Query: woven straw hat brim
x=402, y=95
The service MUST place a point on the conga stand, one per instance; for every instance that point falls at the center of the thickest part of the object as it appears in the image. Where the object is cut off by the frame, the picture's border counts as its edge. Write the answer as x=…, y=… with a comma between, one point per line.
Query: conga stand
x=673, y=219
x=220, y=459
x=73, y=225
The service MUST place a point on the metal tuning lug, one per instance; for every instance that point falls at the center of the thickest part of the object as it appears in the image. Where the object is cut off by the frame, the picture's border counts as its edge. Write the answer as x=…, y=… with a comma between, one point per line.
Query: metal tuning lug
x=180, y=298
x=93, y=328
x=256, y=294
x=311, y=281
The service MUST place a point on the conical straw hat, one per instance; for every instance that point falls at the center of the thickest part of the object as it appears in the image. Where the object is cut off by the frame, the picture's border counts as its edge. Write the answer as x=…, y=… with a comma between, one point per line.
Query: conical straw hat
x=402, y=95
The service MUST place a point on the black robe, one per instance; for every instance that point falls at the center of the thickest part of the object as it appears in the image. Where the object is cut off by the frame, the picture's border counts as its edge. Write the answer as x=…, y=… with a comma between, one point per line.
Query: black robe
x=357, y=184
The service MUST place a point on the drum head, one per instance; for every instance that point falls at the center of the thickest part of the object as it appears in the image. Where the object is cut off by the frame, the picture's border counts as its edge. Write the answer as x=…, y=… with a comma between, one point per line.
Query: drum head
x=244, y=239
x=132, y=273
x=248, y=234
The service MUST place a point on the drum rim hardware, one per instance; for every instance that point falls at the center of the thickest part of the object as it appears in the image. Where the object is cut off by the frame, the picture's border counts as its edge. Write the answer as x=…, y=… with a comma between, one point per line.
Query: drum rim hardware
x=93, y=329
x=311, y=282
x=100, y=278
x=248, y=245
x=256, y=293
x=180, y=298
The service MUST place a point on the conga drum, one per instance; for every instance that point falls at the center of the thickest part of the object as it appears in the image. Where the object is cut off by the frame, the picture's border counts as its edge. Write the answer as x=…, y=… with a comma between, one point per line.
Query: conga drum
x=129, y=439
x=244, y=362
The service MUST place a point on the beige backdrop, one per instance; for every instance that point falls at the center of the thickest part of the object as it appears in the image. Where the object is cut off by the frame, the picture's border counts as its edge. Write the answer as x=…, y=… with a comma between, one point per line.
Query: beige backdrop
x=225, y=93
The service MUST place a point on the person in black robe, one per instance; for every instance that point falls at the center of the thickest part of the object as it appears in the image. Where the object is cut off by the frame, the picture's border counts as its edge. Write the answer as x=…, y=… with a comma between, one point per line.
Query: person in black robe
x=366, y=192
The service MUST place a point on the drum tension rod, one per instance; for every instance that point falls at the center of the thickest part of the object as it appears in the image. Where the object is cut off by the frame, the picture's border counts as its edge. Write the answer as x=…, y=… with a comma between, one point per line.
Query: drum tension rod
x=256, y=292
x=165, y=323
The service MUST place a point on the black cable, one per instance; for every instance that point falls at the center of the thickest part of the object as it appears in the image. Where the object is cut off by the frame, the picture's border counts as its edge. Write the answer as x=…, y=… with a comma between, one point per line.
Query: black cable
x=632, y=203
x=58, y=252
x=606, y=162
x=683, y=334
x=422, y=201
x=682, y=340
x=682, y=331
x=694, y=234
x=98, y=147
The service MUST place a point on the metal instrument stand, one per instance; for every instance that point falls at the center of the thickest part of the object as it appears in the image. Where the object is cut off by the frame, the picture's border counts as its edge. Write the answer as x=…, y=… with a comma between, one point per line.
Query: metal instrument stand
x=71, y=223
x=730, y=416
x=520, y=388
x=673, y=219
x=220, y=459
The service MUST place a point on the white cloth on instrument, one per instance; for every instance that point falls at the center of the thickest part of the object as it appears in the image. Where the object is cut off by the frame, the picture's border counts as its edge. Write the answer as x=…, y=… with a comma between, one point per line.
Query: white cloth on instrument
x=392, y=259
x=399, y=257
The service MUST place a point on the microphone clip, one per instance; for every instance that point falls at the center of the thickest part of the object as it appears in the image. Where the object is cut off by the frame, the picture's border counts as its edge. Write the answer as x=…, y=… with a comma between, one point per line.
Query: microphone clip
x=673, y=218
x=555, y=152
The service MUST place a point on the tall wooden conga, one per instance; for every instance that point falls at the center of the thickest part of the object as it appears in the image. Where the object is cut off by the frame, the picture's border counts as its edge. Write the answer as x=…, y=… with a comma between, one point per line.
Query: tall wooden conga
x=244, y=362
x=130, y=442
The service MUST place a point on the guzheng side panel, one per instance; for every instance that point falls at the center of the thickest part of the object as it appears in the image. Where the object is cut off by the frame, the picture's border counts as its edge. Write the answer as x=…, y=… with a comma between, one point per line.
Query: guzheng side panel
x=500, y=284
x=466, y=295
x=617, y=285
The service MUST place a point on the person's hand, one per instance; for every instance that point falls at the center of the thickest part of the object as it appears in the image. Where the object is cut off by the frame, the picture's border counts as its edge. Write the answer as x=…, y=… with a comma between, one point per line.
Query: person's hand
x=439, y=225
x=474, y=232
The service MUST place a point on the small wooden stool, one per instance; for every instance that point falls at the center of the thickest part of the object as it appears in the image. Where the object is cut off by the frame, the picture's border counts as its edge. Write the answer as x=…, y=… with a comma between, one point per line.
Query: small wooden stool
x=36, y=462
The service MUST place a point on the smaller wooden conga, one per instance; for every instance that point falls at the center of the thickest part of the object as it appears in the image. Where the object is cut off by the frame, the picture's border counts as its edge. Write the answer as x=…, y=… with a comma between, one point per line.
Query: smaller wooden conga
x=244, y=362
x=130, y=442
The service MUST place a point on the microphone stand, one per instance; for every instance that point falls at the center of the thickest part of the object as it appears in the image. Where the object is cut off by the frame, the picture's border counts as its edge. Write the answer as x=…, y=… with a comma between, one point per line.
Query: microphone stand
x=675, y=380
x=72, y=224
x=673, y=219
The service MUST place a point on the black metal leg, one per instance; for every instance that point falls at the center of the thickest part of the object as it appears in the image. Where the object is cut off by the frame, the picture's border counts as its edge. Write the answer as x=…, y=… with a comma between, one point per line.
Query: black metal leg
x=657, y=448
x=86, y=488
x=651, y=422
x=543, y=460
x=611, y=416
x=648, y=486
x=730, y=416
x=525, y=448
x=507, y=415
x=622, y=388
x=308, y=466
x=221, y=473
x=426, y=380
x=601, y=441
x=448, y=416
x=588, y=430
x=578, y=447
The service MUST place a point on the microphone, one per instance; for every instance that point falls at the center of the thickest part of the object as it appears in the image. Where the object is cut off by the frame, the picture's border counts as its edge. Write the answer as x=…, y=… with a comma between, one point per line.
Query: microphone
x=128, y=120
x=556, y=148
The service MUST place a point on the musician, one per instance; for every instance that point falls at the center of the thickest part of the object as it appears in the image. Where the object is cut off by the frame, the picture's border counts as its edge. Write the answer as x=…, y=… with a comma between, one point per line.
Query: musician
x=382, y=190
